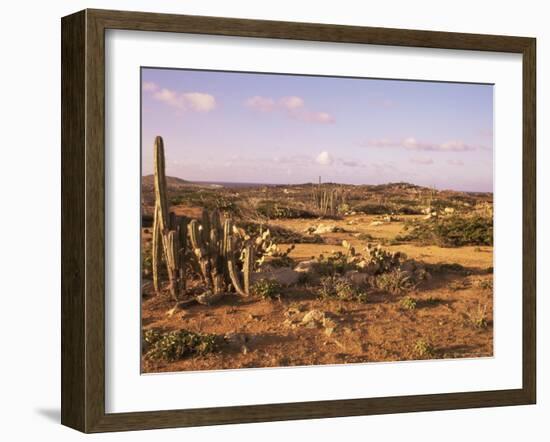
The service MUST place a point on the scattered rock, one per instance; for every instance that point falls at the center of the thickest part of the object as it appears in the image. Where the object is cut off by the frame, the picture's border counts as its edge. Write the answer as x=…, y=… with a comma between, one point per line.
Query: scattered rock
x=449, y=210
x=290, y=323
x=330, y=326
x=305, y=266
x=377, y=223
x=292, y=311
x=313, y=318
x=327, y=228
x=285, y=276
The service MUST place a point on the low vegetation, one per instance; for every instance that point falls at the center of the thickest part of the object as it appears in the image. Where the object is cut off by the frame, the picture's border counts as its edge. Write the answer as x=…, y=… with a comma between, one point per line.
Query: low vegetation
x=330, y=259
x=450, y=232
x=175, y=345
x=334, y=287
x=267, y=289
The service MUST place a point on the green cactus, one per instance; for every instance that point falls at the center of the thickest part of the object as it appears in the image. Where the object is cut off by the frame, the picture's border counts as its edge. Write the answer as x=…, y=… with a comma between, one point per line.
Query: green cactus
x=327, y=202
x=222, y=253
x=157, y=251
x=168, y=240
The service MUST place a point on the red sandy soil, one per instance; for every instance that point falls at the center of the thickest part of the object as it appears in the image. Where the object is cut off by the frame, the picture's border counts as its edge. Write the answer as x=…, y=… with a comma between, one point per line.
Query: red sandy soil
x=270, y=333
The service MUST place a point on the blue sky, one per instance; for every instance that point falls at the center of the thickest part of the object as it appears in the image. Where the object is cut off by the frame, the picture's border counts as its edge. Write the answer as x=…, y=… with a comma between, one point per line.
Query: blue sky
x=288, y=129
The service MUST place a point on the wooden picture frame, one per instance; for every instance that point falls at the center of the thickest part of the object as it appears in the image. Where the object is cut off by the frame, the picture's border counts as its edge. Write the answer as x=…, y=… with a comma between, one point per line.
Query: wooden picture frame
x=83, y=220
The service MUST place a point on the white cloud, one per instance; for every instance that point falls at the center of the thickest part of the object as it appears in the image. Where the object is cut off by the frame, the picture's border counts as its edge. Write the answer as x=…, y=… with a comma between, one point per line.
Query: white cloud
x=193, y=101
x=424, y=161
x=412, y=143
x=263, y=104
x=169, y=97
x=200, y=101
x=293, y=106
x=149, y=86
x=324, y=159
x=292, y=102
x=314, y=117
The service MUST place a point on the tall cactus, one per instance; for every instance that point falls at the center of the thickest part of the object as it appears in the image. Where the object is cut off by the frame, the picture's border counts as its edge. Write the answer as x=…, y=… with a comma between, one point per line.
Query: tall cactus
x=327, y=202
x=156, y=251
x=213, y=244
x=224, y=255
x=168, y=241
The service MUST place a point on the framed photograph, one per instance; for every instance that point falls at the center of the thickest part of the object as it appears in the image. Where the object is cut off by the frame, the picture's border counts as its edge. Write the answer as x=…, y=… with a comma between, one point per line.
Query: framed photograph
x=267, y=220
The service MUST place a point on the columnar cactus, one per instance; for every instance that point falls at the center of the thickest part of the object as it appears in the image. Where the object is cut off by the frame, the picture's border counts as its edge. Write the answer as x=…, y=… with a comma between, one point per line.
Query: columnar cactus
x=214, y=247
x=327, y=202
x=223, y=254
x=169, y=243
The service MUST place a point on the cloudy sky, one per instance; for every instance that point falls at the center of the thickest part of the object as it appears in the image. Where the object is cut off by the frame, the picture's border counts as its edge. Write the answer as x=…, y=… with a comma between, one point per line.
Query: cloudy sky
x=286, y=129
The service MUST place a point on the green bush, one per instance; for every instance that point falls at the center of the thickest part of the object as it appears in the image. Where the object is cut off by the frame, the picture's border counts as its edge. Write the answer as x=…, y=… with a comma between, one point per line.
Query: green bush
x=408, y=303
x=275, y=210
x=267, y=289
x=373, y=209
x=395, y=281
x=423, y=348
x=174, y=345
x=451, y=232
x=333, y=287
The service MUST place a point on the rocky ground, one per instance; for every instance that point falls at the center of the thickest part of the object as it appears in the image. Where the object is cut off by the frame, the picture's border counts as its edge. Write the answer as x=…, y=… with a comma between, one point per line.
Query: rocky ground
x=447, y=313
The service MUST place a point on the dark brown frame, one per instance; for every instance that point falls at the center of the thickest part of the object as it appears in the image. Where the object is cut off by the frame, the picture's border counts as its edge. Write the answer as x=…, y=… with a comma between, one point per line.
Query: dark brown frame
x=83, y=215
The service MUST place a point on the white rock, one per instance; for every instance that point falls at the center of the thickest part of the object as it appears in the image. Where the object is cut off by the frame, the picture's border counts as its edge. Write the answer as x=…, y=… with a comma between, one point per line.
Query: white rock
x=324, y=228
x=313, y=317
x=283, y=275
x=305, y=266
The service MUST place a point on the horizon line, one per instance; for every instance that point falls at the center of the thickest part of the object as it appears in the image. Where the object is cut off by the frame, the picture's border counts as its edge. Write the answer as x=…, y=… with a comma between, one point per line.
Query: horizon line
x=326, y=182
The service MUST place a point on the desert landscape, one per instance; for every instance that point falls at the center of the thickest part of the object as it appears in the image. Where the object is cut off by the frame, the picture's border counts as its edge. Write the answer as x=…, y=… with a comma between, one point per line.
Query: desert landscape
x=298, y=220
x=242, y=275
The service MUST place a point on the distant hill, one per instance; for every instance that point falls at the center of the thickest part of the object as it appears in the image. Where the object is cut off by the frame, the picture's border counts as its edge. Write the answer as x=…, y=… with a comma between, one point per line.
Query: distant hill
x=149, y=180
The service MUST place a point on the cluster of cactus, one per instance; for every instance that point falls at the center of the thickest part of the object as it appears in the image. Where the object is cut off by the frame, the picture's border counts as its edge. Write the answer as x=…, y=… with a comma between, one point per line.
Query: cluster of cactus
x=223, y=254
x=224, y=257
x=327, y=202
x=169, y=232
x=376, y=261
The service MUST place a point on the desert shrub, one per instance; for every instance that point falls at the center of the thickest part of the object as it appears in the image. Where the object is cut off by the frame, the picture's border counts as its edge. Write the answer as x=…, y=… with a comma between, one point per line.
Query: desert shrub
x=278, y=234
x=365, y=237
x=207, y=199
x=408, y=303
x=408, y=210
x=373, y=209
x=451, y=231
x=423, y=348
x=485, y=284
x=448, y=267
x=174, y=345
x=477, y=317
x=267, y=289
x=336, y=263
x=332, y=287
x=395, y=281
x=276, y=209
x=281, y=261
